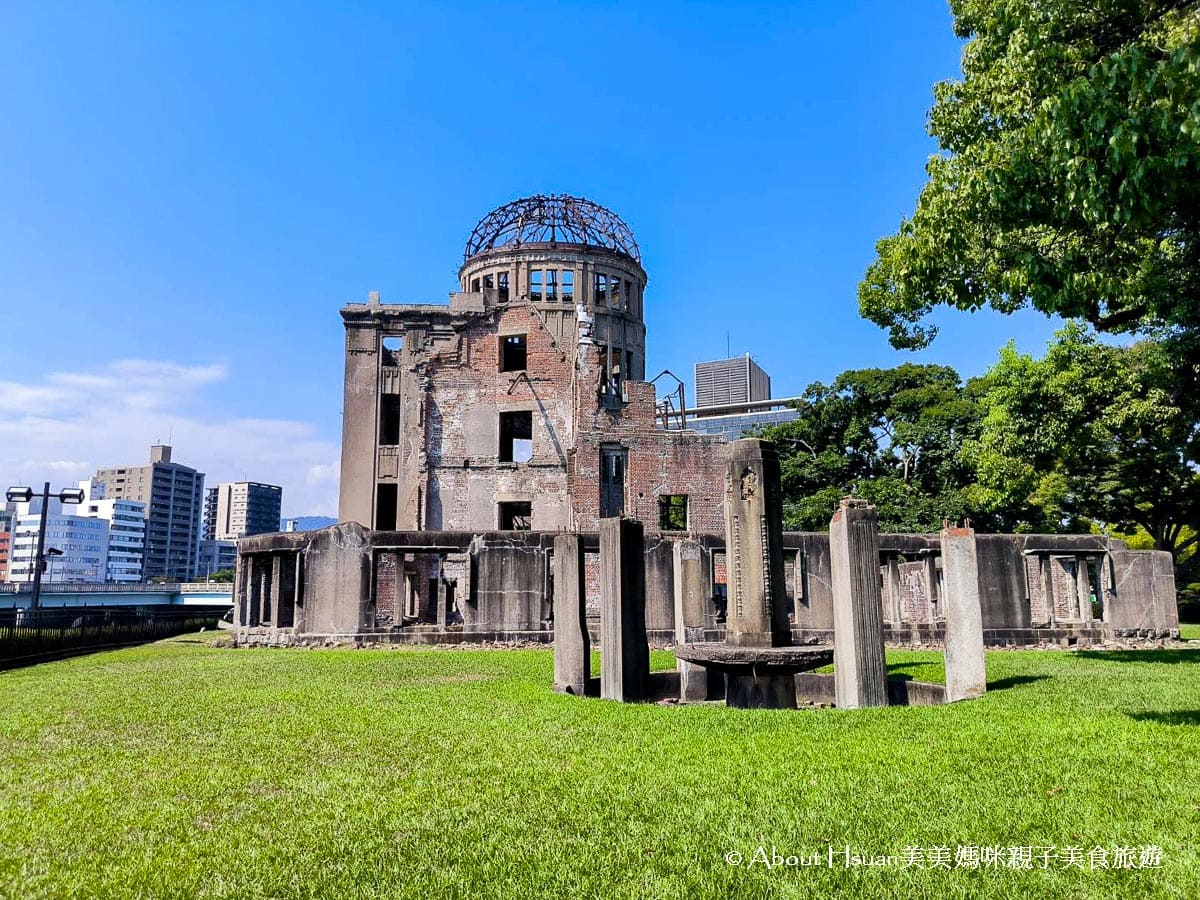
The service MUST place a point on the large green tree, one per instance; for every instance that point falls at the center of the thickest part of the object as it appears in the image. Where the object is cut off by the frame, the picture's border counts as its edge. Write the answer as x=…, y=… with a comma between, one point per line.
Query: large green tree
x=1091, y=432
x=1069, y=172
x=892, y=436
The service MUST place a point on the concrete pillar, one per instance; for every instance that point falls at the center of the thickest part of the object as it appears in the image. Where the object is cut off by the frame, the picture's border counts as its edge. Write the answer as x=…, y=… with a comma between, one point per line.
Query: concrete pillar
x=624, y=650
x=572, y=648
x=359, y=426
x=757, y=614
x=931, y=586
x=966, y=673
x=894, y=606
x=298, y=593
x=442, y=614
x=1048, y=587
x=691, y=613
x=859, y=671
x=264, y=593
x=1083, y=589
x=276, y=584
x=240, y=593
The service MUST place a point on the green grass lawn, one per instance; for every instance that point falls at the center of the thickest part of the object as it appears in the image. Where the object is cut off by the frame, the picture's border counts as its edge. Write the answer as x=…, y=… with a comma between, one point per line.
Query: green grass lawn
x=1189, y=632
x=179, y=770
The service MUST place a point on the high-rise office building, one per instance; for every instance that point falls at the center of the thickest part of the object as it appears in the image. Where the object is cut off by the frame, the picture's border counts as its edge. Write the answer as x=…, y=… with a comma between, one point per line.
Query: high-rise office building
x=723, y=382
x=234, y=510
x=733, y=398
x=174, y=496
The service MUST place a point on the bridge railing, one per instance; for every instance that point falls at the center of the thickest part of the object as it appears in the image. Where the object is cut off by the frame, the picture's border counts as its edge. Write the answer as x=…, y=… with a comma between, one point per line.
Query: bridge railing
x=50, y=587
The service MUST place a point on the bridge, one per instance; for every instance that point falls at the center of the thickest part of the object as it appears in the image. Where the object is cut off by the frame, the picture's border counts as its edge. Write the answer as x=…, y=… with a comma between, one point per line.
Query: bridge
x=19, y=596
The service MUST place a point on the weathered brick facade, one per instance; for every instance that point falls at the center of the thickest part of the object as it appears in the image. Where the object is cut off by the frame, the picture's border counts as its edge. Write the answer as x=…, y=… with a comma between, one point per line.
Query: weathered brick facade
x=519, y=404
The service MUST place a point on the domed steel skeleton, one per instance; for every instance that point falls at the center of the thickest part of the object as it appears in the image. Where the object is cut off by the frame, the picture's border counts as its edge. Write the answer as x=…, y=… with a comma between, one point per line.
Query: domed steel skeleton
x=552, y=219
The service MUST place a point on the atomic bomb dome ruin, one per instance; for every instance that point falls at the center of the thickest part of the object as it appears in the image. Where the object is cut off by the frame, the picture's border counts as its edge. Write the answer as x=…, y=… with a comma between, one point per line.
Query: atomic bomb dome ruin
x=522, y=404
x=485, y=441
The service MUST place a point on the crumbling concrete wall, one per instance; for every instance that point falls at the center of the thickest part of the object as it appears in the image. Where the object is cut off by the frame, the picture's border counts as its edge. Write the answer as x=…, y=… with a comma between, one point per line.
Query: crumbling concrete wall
x=509, y=586
x=346, y=580
x=1140, y=599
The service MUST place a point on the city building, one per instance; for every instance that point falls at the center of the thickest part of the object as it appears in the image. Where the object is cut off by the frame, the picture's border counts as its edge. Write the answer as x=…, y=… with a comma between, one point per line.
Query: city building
x=76, y=547
x=234, y=510
x=721, y=382
x=6, y=527
x=174, y=497
x=733, y=397
x=216, y=556
x=126, y=532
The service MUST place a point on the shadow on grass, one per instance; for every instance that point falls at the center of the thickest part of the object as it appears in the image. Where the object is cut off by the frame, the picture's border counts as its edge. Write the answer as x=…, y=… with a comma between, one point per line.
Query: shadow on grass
x=1151, y=656
x=1003, y=684
x=916, y=664
x=1174, y=717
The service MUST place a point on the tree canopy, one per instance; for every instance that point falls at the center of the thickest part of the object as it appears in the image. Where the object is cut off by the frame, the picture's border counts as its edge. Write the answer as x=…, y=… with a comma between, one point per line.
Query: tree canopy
x=1069, y=172
x=893, y=436
x=1090, y=433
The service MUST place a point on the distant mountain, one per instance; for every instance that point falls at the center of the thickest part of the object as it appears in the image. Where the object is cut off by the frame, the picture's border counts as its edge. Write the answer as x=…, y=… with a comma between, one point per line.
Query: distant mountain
x=307, y=523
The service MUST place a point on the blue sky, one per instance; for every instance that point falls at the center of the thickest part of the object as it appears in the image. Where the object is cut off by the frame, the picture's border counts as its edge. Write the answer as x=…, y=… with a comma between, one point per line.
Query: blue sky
x=192, y=191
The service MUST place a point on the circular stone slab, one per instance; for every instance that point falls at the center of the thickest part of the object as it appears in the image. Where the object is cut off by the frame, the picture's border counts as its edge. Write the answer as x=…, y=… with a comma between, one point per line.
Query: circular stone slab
x=761, y=660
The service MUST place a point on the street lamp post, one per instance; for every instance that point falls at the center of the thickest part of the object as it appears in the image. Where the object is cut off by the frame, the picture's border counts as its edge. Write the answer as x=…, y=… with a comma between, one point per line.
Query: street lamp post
x=25, y=495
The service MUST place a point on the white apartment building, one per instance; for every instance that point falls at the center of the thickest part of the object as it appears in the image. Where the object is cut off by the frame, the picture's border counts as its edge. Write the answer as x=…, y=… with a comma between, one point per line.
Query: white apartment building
x=82, y=543
x=126, y=532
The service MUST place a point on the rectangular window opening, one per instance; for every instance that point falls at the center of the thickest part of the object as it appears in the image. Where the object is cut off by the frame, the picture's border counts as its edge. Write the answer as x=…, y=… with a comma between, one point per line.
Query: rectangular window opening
x=516, y=437
x=568, y=286
x=516, y=516
x=513, y=353
x=600, y=290
x=535, y=284
x=673, y=512
x=389, y=419
x=551, y=284
x=385, y=507
x=502, y=286
x=614, y=292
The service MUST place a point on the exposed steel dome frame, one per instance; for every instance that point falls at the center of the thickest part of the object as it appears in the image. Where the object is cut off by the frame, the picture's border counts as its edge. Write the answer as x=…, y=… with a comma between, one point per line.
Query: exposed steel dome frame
x=552, y=219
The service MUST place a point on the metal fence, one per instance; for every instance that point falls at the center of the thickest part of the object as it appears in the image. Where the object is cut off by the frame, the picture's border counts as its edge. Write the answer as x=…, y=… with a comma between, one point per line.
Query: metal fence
x=27, y=635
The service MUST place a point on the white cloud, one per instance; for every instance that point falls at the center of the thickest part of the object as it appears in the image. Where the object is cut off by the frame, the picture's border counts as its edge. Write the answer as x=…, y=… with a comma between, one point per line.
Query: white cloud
x=68, y=424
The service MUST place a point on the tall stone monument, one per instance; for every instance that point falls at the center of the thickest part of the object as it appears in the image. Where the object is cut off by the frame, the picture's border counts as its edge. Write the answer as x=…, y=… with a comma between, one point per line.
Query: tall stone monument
x=757, y=614
x=859, y=670
x=757, y=657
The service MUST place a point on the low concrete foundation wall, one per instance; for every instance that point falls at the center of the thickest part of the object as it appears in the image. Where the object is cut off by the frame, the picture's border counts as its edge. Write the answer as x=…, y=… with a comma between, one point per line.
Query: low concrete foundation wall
x=459, y=587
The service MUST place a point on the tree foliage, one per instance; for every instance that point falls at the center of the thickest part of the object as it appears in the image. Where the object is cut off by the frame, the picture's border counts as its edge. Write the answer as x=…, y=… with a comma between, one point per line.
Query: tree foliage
x=1069, y=177
x=892, y=436
x=1091, y=432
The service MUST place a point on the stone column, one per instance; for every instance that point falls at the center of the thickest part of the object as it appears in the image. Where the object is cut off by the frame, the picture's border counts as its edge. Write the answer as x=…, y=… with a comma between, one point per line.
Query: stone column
x=966, y=674
x=624, y=650
x=442, y=613
x=895, y=605
x=691, y=608
x=931, y=587
x=1083, y=588
x=572, y=648
x=276, y=585
x=859, y=671
x=241, y=594
x=264, y=573
x=757, y=614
